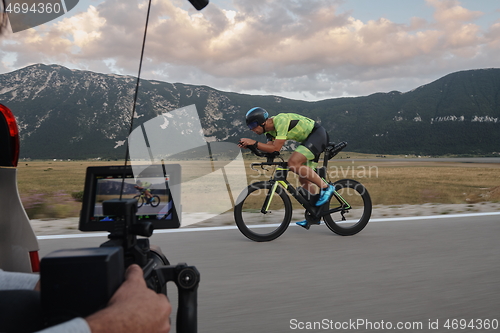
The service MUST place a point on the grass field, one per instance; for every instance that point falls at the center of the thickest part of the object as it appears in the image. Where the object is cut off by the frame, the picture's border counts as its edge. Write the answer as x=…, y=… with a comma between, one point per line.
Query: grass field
x=46, y=187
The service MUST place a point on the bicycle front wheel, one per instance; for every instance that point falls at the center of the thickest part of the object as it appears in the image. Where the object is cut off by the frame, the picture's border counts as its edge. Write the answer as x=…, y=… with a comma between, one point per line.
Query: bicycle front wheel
x=350, y=207
x=262, y=214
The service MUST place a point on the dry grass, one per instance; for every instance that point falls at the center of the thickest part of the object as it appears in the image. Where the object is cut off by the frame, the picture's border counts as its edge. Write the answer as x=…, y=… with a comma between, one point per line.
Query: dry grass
x=415, y=182
x=438, y=183
x=46, y=186
x=50, y=177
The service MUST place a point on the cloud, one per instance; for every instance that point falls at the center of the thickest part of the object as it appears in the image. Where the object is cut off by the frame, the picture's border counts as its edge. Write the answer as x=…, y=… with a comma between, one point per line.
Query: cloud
x=450, y=12
x=288, y=48
x=454, y=21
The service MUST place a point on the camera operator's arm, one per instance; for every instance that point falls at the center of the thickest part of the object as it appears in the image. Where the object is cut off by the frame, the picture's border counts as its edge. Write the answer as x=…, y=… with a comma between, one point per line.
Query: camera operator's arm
x=15, y=281
x=133, y=308
x=20, y=310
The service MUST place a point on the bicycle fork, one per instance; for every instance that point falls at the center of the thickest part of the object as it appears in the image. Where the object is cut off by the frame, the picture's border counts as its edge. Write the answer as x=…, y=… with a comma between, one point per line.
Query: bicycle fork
x=269, y=196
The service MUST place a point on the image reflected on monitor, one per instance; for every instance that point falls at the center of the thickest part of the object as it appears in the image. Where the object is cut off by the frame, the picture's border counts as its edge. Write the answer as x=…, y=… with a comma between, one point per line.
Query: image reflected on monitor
x=156, y=188
x=154, y=200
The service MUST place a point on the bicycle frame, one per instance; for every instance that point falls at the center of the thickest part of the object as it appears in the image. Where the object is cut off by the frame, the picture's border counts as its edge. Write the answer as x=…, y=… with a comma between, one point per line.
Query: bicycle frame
x=279, y=179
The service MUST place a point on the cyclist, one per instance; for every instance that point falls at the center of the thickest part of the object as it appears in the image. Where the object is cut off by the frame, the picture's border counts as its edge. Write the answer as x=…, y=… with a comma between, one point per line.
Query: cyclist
x=144, y=187
x=312, y=137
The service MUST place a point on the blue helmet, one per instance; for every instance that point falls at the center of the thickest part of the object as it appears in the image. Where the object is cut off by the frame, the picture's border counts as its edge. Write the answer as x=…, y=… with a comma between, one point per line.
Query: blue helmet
x=256, y=117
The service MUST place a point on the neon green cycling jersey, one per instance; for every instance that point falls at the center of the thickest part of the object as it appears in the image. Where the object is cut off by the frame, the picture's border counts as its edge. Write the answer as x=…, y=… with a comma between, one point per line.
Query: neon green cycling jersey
x=291, y=126
x=144, y=185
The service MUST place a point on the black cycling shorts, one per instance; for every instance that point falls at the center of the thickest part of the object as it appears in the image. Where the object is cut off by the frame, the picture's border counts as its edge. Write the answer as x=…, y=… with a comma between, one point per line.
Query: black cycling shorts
x=316, y=142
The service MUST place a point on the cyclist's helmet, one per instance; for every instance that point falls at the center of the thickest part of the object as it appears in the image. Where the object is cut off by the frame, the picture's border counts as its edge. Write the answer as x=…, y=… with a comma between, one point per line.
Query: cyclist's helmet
x=256, y=117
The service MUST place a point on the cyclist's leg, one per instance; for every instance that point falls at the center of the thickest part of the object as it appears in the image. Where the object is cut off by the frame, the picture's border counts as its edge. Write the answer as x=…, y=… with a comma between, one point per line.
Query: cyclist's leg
x=297, y=164
x=308, y=186
x=306, y=155
x=313, y=146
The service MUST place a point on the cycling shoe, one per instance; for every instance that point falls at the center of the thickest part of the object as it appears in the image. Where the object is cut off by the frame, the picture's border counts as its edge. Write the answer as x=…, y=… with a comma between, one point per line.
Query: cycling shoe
x=325, y=195
x=305, y=225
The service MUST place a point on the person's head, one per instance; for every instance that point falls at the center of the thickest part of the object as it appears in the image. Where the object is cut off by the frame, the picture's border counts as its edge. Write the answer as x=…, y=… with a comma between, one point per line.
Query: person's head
x=3, y=17
x=256, y=117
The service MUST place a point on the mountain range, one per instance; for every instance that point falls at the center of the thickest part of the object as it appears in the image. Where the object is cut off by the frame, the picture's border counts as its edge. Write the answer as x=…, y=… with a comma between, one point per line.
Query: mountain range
x=74, y=114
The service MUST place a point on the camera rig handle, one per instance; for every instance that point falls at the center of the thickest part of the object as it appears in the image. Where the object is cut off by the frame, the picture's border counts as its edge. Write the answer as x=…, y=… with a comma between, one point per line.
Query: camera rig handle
x=187, y=279
x=126, y=230
x=157, y=274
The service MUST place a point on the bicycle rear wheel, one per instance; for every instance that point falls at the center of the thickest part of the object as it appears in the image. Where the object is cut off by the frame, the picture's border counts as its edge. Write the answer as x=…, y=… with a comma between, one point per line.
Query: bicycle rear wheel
x=353, y=207
x=249, y=216
x=155, y=201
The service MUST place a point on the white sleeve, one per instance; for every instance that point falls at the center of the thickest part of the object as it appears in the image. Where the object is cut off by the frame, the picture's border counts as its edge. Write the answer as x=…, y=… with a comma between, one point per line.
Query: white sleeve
x=15, y=281
x=77, y=325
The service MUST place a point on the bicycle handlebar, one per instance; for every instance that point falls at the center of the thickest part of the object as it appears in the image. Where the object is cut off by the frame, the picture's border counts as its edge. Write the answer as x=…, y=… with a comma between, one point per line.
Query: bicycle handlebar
x=270, y=156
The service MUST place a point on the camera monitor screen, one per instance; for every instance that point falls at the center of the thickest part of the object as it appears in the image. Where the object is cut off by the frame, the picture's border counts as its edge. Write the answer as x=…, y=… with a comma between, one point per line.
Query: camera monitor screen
x=156, y=189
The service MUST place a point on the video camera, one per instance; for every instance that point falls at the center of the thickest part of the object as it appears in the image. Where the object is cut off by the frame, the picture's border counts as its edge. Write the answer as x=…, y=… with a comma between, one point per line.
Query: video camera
x=79, y=282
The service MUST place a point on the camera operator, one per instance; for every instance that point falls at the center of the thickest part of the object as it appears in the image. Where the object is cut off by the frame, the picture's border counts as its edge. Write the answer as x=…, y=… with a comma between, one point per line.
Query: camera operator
x=133, y=308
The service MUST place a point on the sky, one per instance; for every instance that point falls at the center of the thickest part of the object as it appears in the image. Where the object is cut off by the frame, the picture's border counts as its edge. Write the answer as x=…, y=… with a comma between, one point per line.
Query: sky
x=300, y=49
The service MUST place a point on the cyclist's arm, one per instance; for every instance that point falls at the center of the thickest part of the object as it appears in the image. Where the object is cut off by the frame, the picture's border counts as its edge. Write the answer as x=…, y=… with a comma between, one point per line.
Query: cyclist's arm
x=269, y=147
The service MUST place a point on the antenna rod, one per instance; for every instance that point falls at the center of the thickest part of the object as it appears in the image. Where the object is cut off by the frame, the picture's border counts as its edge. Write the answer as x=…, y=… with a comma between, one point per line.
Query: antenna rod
x=135, y=96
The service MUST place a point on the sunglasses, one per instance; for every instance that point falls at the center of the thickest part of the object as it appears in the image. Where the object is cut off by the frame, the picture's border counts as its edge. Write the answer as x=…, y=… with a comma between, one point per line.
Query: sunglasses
x=253, y=124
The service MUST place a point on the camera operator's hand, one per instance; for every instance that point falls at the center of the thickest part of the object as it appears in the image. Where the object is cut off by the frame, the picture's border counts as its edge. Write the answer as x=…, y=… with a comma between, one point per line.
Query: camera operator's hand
x=133, y=308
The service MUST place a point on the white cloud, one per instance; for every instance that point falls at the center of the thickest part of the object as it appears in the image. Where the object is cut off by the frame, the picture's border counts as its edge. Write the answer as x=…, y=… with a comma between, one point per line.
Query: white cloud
x=295, y=48
x=84, y=28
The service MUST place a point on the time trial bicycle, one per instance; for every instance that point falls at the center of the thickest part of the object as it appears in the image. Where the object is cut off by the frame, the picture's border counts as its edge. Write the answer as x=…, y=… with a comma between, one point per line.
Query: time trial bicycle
x=263, y=210
x=154, y=200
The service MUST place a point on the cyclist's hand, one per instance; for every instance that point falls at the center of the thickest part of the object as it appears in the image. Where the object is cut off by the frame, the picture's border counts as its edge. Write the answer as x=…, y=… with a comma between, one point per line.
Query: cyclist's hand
x=246, y=142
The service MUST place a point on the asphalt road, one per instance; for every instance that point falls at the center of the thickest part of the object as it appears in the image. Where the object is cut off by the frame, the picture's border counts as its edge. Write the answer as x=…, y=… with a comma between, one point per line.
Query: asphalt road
x=394, y=276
